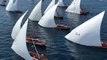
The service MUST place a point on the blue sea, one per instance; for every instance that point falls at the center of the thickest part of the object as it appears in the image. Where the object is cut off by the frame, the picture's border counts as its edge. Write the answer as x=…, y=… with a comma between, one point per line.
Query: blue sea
x=57, y=48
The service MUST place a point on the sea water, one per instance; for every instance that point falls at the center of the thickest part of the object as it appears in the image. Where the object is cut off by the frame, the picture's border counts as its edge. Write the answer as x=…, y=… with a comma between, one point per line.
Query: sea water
x=58, y=48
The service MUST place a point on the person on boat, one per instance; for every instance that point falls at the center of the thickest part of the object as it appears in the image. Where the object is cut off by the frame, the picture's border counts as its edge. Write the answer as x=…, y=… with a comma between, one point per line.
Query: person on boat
x=63, y=27
x=104, y=44
x=36, y=41
x=38, y=56
x=33, y=58
x=84, y=12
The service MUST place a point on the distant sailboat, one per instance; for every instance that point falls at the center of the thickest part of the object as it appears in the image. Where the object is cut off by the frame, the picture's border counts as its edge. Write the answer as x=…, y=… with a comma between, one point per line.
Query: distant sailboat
x=56, y=13
x=49, y=6
x=48, y=20
x=88, y=33
x=12, y=6
x=1, y=1
x=17, y=26
x=36, y=13
x=20, y=47
x=74, y=7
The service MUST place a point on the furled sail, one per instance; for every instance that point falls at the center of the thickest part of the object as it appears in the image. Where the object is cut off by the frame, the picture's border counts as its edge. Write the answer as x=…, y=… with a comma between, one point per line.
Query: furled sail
x=87, y=33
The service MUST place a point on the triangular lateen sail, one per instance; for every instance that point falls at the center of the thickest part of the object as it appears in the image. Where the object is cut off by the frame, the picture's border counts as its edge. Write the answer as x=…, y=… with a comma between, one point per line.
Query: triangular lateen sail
x=74, y=7
x=48, y=20
x=19, y=45
x=49, y=6
x=17, y=26
x=36, y=13
x=60, y=3
x=12, y=6
x=87, y=33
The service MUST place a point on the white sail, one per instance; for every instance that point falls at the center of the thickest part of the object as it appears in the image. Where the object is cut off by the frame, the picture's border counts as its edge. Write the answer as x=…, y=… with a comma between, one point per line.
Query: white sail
x=17, y=26
x=19, y=45
x=36, y=13
x=87, y=33
x=48, y=20
x=60, y=3
x=74, y=7
x=12, y=6
x=49, y=6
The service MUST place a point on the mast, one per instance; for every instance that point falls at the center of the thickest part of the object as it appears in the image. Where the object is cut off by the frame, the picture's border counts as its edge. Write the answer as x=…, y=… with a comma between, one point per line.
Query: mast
x=34, y=44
